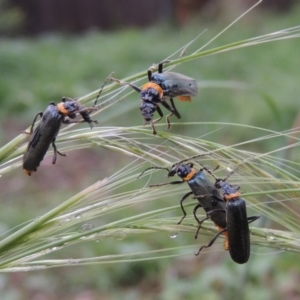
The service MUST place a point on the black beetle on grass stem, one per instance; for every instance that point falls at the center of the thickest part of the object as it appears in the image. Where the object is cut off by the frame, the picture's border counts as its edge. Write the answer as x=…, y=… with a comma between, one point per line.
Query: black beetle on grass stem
x=46, y=131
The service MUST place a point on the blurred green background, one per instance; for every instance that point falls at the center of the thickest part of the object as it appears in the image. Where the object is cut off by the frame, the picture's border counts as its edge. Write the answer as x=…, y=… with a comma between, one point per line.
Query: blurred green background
x=256, y=86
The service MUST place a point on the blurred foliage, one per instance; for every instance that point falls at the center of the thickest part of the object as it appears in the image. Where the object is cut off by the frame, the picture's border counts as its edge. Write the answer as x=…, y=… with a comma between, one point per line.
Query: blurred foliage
x=45, y=69
x=11, y=18
x=256, y=86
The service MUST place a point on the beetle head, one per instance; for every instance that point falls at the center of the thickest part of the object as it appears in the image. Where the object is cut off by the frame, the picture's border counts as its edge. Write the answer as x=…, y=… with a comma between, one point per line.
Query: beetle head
x=71, y=106
x=148, y=109
x=181, y=170
x=219, y=183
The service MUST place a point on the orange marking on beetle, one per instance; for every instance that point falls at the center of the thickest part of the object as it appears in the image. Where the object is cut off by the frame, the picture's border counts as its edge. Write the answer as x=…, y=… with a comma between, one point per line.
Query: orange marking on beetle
x=220, y=228
x=190, y=175
x=61, y=108
x=225, y=244
x=28, y=172
x=231, y=196
x=185, y=98
x=155, y=86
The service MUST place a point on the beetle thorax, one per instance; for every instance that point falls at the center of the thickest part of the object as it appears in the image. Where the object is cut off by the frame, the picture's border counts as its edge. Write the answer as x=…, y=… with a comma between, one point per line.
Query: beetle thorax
x=151, y=92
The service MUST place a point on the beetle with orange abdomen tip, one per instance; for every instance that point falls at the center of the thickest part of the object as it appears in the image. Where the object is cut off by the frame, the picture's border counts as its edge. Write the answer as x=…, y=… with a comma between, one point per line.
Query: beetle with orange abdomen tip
x=237, y=222
x=46, y=131
x=163, y=85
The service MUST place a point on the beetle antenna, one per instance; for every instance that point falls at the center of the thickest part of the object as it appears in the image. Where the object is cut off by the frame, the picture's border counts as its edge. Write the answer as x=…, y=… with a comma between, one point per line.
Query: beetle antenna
x=161, y=168
x=103, y=85
x=229, y=174
x=192, y=157
x=209, y=171
x=136, y=88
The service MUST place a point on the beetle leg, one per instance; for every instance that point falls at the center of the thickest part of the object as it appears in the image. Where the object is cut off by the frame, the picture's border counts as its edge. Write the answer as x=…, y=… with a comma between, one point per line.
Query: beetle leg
x=160, y=67
x=160, y=184
x=149, y=74
x=169, y=108
x=208, y=216
x=211, y=241
x=85, y=114
x=199, y=222
x=88, y=110
x=169, y=116
x=252, y=219
x=68, y=121
x=176, y=113
x=215, y=210
x=182, y=208
x=168, y=120
x=158, y=109
x=34, y=120
x=55, y=152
